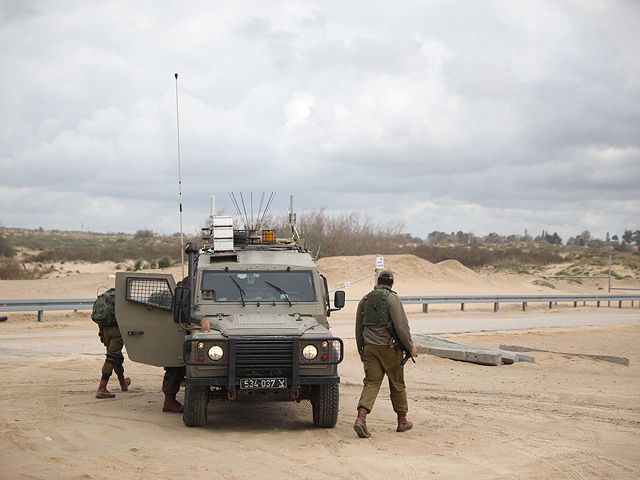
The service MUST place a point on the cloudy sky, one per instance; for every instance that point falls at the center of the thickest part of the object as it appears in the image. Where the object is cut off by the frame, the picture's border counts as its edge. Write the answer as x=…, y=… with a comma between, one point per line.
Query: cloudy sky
x=482, y=116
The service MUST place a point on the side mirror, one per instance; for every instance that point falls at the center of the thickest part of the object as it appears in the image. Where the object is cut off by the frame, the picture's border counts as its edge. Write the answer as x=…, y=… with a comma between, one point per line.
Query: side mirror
x=182, y=305
x=338, y=299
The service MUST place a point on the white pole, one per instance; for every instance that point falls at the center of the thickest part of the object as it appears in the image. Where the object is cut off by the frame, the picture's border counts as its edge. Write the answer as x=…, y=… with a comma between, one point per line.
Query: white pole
x=180, y=183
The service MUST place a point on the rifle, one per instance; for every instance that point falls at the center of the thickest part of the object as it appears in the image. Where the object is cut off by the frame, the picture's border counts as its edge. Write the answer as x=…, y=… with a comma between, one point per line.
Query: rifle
x=394, y=335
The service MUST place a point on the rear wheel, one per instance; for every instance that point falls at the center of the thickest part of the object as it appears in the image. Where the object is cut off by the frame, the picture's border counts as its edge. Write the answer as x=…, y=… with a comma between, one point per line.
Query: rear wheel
x=325, y=401
x=196, y=399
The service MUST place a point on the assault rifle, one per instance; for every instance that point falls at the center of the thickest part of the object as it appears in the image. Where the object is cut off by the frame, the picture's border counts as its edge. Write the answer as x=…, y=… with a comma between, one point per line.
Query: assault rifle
x=394, y=335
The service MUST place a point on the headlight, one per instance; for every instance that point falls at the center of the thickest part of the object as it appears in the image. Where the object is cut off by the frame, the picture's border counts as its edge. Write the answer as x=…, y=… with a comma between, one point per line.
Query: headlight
x=310, y=352
x=216, y=353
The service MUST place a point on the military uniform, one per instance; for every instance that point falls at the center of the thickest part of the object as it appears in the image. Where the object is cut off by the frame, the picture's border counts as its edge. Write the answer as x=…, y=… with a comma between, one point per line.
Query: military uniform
x=376, y=348
x=112, y=339
x=173, y=378
x=373, y=339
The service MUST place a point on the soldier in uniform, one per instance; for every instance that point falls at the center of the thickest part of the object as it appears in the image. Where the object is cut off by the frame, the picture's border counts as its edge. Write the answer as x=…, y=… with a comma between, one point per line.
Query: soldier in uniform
x=376, y=347
x=111, y=338
x=173, y=378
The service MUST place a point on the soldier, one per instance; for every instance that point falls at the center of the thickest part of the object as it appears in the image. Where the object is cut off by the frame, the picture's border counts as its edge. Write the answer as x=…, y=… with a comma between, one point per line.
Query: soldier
x=104, y=314
x=111, y=338
x=376, y=345
x=173, y=378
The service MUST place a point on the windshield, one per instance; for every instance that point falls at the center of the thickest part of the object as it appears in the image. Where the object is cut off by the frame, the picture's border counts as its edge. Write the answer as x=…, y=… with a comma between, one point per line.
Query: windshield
x=256, y=286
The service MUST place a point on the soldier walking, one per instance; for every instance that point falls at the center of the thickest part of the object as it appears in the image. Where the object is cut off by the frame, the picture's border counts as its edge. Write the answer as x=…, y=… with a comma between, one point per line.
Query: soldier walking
x=112, y=339
x=381, y=325
x=104, y=315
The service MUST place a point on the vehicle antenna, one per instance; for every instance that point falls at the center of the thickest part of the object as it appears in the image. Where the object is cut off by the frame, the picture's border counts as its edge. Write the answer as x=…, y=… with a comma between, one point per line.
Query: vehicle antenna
x=179, y=182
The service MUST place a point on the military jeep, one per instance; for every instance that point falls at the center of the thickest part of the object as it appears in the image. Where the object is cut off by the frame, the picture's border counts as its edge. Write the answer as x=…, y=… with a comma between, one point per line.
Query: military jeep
x=249, y=323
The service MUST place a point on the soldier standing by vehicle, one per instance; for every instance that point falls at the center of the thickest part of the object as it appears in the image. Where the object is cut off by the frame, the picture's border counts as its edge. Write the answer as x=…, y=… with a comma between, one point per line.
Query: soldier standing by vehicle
x=173, y=378
x=104, y=315
x=383, y=338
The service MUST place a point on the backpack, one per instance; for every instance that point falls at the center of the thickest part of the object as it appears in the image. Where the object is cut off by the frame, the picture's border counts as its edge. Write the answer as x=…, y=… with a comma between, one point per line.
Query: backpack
x=104, y=308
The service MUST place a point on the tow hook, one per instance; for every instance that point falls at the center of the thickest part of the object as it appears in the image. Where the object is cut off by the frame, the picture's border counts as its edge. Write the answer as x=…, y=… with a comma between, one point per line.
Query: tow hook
x=294, y=393
x=231, y=395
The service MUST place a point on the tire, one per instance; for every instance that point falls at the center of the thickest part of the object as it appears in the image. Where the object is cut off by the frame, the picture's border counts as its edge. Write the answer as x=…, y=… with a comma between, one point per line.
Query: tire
x=196, y=399
x=325, y=402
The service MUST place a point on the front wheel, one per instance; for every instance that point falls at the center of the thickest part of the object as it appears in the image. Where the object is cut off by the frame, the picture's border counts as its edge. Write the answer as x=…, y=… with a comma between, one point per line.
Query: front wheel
x=196, y=399
x=325, y=401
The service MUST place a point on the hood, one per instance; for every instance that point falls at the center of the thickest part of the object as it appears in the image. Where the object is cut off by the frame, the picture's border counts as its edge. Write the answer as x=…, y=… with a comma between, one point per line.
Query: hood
x=265, y=324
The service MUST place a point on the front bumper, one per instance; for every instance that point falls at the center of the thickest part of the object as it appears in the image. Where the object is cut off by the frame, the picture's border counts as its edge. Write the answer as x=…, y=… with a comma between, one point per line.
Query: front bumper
x=262, y=357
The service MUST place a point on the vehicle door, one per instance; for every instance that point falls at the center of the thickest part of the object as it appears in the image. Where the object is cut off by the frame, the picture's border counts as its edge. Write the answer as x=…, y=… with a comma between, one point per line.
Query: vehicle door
x=144, y=310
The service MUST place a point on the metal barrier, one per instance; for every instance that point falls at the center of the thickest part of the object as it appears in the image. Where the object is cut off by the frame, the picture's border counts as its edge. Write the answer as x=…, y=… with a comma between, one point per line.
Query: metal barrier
x=524, y=299
x=42, y=304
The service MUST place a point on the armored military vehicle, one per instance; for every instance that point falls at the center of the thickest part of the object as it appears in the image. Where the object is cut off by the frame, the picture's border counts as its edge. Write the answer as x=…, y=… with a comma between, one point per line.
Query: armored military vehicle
x=249, y=323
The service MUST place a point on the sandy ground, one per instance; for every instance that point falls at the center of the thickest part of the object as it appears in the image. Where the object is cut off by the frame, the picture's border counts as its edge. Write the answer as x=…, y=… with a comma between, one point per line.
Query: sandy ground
x=564, y=416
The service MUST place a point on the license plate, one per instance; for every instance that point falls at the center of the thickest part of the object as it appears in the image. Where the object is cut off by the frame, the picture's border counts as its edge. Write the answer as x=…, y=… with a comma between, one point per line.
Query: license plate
x=263, y=383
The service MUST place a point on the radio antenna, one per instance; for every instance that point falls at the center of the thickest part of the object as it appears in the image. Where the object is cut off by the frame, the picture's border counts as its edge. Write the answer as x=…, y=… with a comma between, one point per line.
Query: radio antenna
x=179, y=182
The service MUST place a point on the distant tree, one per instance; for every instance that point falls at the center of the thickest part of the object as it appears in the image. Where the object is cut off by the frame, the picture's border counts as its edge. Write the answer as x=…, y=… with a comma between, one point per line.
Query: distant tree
x=597, y=243
x=411, y=239
x=143, y=233
x=439, y=238
x=540, y=238
x=494, y=238
x=553, y=239
x=614, y=239
x=607, y=238
x=627, y=236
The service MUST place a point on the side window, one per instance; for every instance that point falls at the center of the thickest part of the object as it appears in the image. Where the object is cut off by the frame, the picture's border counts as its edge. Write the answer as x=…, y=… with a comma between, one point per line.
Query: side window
x=153, y=292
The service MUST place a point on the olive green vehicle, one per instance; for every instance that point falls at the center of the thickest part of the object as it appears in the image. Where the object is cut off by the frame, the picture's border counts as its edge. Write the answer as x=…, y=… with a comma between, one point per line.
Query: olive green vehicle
x=249, y=324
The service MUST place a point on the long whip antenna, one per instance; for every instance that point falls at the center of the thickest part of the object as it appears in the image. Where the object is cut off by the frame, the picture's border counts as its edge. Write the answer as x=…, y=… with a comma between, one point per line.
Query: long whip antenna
x=180, y=182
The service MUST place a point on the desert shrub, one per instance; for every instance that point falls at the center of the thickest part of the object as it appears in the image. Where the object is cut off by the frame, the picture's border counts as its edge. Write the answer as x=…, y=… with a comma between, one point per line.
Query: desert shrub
x=164, y=262
x=6, y=250
x=17, y=271
x=476, y=257
x=542, y=283
x=138, y=265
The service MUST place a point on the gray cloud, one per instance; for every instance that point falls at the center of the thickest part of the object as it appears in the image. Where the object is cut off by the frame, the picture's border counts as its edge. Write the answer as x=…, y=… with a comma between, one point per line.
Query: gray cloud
x=475, y=116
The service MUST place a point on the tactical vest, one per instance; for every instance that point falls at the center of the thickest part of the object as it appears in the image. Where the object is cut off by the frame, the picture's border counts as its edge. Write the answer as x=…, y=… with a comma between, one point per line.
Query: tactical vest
x=381, y=316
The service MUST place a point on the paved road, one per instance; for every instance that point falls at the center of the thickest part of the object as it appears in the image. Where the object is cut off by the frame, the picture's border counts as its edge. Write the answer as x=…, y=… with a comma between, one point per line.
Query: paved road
x=469, y=323
x=54, y=344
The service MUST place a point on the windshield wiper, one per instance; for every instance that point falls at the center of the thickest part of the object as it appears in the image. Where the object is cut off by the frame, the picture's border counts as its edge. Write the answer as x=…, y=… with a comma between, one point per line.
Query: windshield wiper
x=242, y=294
x=279, y=290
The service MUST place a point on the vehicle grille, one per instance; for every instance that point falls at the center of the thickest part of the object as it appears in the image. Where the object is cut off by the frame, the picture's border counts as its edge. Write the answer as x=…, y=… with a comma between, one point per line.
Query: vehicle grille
x=268, y=357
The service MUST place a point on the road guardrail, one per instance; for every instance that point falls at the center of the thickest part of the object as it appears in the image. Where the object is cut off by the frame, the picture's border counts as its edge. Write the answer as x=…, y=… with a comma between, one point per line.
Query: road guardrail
x=42, y=304
x=524, y=299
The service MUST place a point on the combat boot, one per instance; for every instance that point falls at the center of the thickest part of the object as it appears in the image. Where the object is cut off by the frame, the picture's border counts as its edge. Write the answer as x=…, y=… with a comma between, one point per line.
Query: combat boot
x=103, y=392
x=403, y=423
x=171, y=404
x=124, y=383
x=361, y=424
